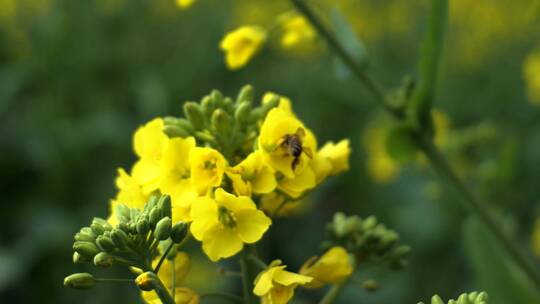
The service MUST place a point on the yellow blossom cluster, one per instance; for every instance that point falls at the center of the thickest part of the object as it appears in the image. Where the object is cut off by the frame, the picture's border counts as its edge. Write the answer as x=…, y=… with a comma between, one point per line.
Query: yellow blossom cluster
x=222, y=197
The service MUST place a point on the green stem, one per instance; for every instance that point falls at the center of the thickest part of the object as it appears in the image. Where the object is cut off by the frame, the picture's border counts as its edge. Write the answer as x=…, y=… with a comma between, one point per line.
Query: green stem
x=162, y=292
x=444, y=170
x=257, y=261
x=245, y=268
x=173, y=279
x=425, y=144
x=332, y=293
x=373, y=86
x=163, y=257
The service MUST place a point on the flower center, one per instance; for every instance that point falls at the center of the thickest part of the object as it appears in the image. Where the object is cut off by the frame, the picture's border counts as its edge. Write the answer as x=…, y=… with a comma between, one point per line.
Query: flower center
x=226, y=217
x=210, y=165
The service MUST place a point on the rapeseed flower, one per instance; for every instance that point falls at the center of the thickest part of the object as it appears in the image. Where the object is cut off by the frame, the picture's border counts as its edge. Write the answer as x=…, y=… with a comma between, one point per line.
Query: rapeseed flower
x=297, y=33
x=252, y=175
x=183, y=4
x=275, y=285
x=225, y=222
x=207, y=168
x=332, y=267
x=242, y=44
x=337, y=154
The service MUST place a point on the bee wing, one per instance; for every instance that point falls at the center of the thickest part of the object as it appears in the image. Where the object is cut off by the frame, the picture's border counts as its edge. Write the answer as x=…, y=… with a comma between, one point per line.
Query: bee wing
x=308, y=152
x=300, y=132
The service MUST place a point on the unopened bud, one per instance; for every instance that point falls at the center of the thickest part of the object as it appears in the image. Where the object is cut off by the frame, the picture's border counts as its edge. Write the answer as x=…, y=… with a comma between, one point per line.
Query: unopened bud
x=103, y=259
x=122, y=213
x=194, y=114
x=119, y=238
x=86, y=249
x=370, y=285
x=163, y=229
x=436, y=300
x=81, y=280
x=179, y=232
x=175, y=131
x=145, y=281
x=221, y=121
x=164, y=204
x=245, y=94
x=242, y=112
x=208, y=105
x=86, y=235
x=151, y=203
x=143, y=226
x=105, y=243
x=155, y=216
x=78, y=258
x=217, y=98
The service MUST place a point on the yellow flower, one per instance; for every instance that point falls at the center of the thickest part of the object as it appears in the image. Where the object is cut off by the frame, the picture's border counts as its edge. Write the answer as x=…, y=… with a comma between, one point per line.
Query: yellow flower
x=183, y=4
x=129, y=193
x=149, y=143
x=207, y=168
x=284, y=102
x=223, y=224
x=181, y=269
x=286, y=144
x=296, y=186
x=252, y=175
x=297, y=32
x=381, y=167
x=275, y=204
x=531, y=73
x=175, y=176
x=242, y=44
x=321, y=166
x=337, y=154
x=275, y=285
x=332, y=267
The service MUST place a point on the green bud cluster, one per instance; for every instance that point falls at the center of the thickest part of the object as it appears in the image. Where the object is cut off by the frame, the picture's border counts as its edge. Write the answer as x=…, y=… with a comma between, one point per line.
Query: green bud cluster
x=226, y=124
x=369, y=240
x=470, y=298
x=133, y=242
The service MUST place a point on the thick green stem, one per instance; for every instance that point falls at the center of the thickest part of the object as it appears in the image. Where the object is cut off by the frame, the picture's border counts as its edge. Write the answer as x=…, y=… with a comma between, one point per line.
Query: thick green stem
x=424, y=141
x=162, y=292
x=332, y=293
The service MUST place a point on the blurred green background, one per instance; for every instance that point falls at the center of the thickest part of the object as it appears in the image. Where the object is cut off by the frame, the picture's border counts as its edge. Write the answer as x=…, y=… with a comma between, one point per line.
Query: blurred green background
x=78, y=77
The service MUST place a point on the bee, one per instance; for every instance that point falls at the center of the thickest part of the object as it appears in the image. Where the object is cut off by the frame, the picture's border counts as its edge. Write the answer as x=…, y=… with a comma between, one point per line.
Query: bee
x=293, y=145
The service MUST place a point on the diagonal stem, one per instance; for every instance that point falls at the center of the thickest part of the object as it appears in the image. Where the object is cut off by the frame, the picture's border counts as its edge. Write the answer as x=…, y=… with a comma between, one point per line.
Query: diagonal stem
x=425, y=144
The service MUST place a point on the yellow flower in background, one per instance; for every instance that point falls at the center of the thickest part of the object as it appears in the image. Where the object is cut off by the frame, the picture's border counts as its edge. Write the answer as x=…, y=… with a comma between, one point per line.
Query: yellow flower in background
x=252, y=175
x=242, y=44
x=297, y=32
x=332, y=267
x=275, y=204
x=183, y=4
x=224, y=223
x=182, y=266
x=149, y=143
x=535, y=239
x=338, y=155
x=381, y=167
x=207, y=168
x=531, y=73
x=286, y=145
x=130, y=193
x=275, y=285
x=175, y=179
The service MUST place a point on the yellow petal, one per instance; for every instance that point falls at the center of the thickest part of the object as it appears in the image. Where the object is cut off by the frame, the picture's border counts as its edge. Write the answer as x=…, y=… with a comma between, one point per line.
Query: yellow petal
x=251, y=225
x=264, y=182
x=294, y=187
x=233, y=203
x=287, y=278
x=204, y=213
x=221, y=242
x=264, y=282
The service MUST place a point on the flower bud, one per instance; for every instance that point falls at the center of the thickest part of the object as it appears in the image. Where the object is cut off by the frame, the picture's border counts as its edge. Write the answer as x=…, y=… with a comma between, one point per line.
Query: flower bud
x=245, y=94
x=122, y=213
x=86, y=249
x=103, y=259
x=194, y=114
x=81, y=280
x=143, y=226
x=164, y=204
x=228, y=105
x=145, y=281
x=217, y=98
x=99, y=226
x=155, y=216
x=208, y=105
x=78, y=258
x=175, y=131
x=86, y=234
x=370, y=285
x=436, y=300
x=119, y=238
x=242, y=112
x=221, y=121
x=151, y=203
x=179, y=232
x=105, y=243
x=163, y=229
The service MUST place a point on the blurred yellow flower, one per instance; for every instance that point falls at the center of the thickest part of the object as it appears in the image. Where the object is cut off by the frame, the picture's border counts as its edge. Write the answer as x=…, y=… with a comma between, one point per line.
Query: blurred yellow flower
x=286, y=145
x=275, y=285
x=276, y=204
x=338, y=155
x=149, y=143
x=224, y=223
x=207, y=168
x=129, y=193
x=531, y=73
x=332, y=267
x=381, y=167
x=175, y=176
x=297, y=33
x=242, y=44
x=252, y=175
x=182, y=266
x=183, y=4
